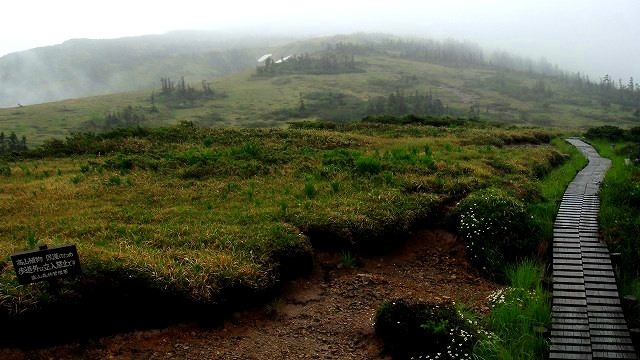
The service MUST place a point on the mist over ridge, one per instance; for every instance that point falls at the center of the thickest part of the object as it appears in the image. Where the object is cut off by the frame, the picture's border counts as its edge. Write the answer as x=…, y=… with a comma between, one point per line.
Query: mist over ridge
x=87, y=67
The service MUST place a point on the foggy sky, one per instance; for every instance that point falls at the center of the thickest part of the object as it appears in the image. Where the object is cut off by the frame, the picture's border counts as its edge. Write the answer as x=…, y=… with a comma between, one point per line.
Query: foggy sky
x=595, y=37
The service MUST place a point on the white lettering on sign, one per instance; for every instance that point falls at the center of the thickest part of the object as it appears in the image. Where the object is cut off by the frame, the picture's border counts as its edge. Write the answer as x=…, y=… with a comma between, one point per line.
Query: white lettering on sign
x=46, y=264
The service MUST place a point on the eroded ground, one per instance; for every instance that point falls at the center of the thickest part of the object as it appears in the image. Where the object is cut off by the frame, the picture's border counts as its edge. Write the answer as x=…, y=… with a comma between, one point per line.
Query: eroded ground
x=327, y=315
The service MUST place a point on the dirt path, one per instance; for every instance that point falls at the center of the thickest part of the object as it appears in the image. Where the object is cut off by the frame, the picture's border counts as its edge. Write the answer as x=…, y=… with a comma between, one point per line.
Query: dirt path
x=327, y=315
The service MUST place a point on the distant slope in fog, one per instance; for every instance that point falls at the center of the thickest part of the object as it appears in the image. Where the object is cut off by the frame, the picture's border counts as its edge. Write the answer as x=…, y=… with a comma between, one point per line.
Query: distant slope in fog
x=338, y=78
x=83, y=67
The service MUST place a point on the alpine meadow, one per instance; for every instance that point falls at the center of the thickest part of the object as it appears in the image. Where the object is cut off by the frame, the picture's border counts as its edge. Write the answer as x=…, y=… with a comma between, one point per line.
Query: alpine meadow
x=409, y=186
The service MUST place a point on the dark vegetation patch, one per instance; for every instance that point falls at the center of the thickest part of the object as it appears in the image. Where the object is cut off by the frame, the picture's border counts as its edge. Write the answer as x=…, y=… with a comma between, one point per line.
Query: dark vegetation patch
x=326, y=63
x=425, y=330
x=327, y=105
x=11, y=145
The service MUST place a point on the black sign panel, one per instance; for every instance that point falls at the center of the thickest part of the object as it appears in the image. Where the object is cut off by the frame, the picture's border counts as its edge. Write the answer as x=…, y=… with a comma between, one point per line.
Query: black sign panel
x=46, y=264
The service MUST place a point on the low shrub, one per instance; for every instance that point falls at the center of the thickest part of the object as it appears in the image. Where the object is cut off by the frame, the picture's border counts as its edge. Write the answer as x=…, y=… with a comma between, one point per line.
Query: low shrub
x=493, y=225
x=368, y=165
x=425, y=330
x=605, y=132
x=5, y=170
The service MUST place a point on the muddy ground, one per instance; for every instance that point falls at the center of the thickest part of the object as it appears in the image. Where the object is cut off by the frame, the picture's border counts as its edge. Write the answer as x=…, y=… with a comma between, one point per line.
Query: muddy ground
x=326, y=315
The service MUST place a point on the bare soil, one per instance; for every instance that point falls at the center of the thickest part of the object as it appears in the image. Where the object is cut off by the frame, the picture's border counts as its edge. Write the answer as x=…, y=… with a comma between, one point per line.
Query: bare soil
x=326, y=315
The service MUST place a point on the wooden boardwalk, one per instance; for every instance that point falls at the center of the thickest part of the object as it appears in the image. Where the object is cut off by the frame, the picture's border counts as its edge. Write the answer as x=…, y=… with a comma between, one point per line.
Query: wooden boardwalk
x=588, y=322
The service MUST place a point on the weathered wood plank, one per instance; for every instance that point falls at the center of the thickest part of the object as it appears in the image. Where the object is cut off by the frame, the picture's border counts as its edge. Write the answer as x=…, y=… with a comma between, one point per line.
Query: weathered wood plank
x=569, y=294
x=570, y=301
x=602, y=293
x=572, y=274
x=568, y=286
x=604, y=301
x=570, y=348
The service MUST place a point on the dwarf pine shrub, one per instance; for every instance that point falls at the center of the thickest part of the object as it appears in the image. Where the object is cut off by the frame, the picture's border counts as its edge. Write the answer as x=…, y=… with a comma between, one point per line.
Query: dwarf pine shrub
x=5, y=170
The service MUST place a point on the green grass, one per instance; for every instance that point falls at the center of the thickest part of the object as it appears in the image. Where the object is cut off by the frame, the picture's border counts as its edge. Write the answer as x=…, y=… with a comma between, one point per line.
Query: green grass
x=169, y=214
x=503, y=226
x=520, y=314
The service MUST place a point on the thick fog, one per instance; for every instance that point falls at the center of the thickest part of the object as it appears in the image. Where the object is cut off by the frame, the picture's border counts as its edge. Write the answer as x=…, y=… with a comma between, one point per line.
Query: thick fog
x=594, y=37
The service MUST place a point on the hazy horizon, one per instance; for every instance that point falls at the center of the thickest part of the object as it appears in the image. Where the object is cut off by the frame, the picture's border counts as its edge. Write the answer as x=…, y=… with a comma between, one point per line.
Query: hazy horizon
x=590, y=36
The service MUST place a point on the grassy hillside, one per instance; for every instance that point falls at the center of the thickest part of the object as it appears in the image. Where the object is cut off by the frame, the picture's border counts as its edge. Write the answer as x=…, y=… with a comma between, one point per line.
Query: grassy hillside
x=270, y=100
x=208, y=216
x=83, y=67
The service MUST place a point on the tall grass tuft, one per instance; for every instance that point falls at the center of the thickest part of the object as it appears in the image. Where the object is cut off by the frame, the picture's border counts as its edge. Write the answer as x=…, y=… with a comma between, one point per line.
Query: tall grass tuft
x=368, y=165
x=519, y=317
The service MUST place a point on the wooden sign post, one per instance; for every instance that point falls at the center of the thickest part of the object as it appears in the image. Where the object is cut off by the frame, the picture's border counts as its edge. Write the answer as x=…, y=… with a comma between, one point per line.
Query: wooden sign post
x=46, y=264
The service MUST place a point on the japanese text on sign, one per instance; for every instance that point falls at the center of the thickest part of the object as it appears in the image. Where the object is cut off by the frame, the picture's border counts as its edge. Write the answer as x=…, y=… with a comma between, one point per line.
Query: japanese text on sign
x=46, y=264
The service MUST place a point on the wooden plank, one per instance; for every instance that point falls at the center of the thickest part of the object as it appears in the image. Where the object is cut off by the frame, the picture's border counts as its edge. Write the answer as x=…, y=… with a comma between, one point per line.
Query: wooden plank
x=595, y=286
x=570, y=301
x=564, y=320
x=604, y=311
x=569, y=287
x=569, y=311
x=567, y=255
x=612, y=347
x=569, y=356
x=572, y=341
x=595, y=249
x=589, y=235
x=599, y=280
x=567, y=249
x=569, y=294
x=568, y=280
x=612, y=355
x=591, y=266
x=602, y=293
x=596, y=261
x=572, y=274
x=603, y=301
x=567, y=267
x=612, y=321
x=619, y=340
x=600, y=326
x=569, y=334
x=606, y=314
x=608, y=309
x=566, y=232
x=571, y=327
x=568, y=262
x=570, y=348
x=595, y=255
x=599, y=273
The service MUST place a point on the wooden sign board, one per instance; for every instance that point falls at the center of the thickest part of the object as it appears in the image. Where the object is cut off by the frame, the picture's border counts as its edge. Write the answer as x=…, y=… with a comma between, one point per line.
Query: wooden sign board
x=46, y=264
